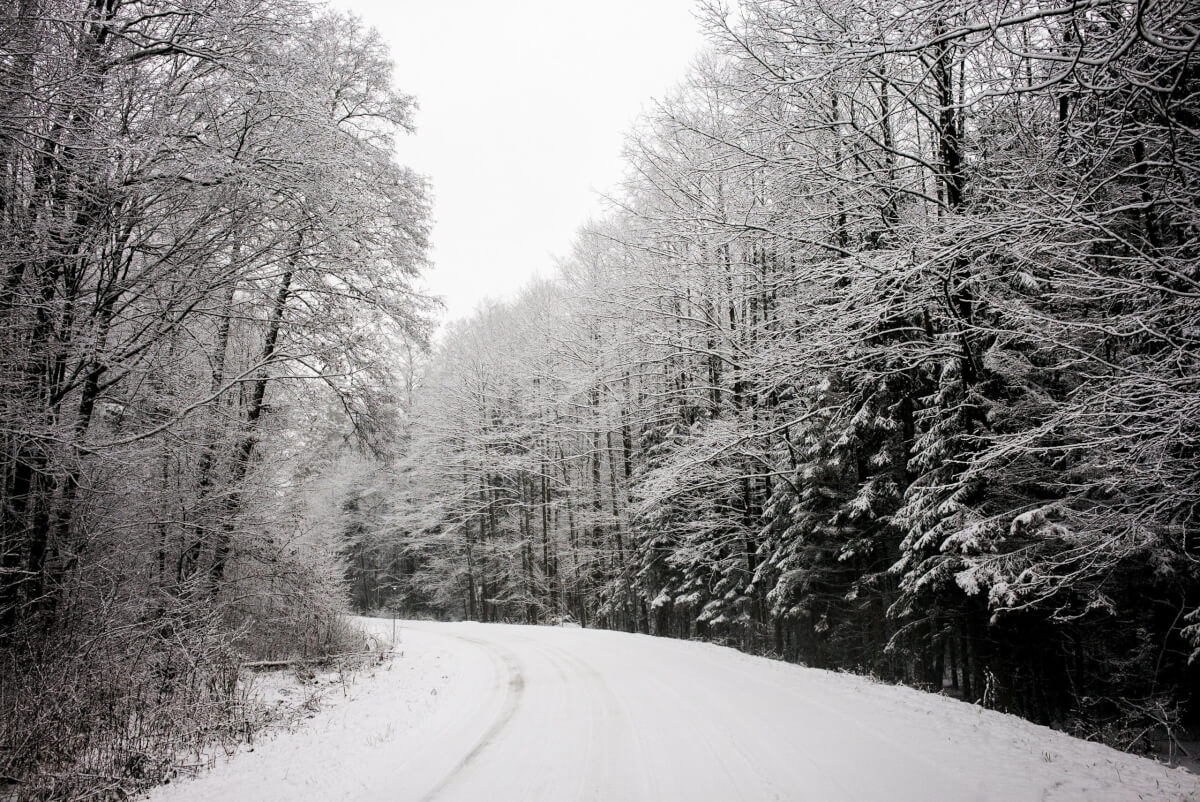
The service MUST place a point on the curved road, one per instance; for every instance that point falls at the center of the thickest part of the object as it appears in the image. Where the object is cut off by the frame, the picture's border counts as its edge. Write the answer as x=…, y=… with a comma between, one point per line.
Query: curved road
x=571, y=714
x=497, y=713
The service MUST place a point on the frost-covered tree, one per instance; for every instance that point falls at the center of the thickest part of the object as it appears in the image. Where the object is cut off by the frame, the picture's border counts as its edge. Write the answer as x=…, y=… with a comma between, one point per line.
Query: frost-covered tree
x=884, y=360
x=204, y=239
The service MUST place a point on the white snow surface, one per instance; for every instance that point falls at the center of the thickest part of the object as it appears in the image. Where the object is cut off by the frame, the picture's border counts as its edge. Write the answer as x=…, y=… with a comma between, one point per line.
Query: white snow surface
x=498, y=712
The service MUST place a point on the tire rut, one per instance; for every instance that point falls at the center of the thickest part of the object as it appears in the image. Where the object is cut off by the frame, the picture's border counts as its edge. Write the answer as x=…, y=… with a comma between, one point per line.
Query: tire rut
x=514, y=692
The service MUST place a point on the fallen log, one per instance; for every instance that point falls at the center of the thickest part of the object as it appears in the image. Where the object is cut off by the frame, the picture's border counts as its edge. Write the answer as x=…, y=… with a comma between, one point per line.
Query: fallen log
x=300, y=661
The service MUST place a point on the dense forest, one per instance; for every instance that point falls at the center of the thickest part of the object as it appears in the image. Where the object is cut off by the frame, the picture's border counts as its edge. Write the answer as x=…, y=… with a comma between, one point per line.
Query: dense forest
x=208, y=257
x=884, y=359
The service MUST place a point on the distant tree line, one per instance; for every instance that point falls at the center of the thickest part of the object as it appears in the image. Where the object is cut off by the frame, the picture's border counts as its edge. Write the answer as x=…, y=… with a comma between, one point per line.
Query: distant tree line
x=886, y=360
x=206, y=255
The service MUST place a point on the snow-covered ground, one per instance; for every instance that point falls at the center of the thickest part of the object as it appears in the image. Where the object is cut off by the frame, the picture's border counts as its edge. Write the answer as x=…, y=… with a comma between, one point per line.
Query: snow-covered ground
x=497, y=713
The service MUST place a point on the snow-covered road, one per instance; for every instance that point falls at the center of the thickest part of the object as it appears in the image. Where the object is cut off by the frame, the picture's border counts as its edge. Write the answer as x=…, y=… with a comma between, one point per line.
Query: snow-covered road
x=493, y=712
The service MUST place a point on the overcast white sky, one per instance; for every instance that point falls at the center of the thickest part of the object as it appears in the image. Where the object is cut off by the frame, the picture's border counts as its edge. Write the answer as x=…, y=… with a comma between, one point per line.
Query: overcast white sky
x=523, y=108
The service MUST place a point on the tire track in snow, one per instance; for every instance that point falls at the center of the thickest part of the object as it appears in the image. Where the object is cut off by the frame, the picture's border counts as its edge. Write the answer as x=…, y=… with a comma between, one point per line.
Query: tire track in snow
x=600, y=751
x=514, y=689
x=591, y=751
